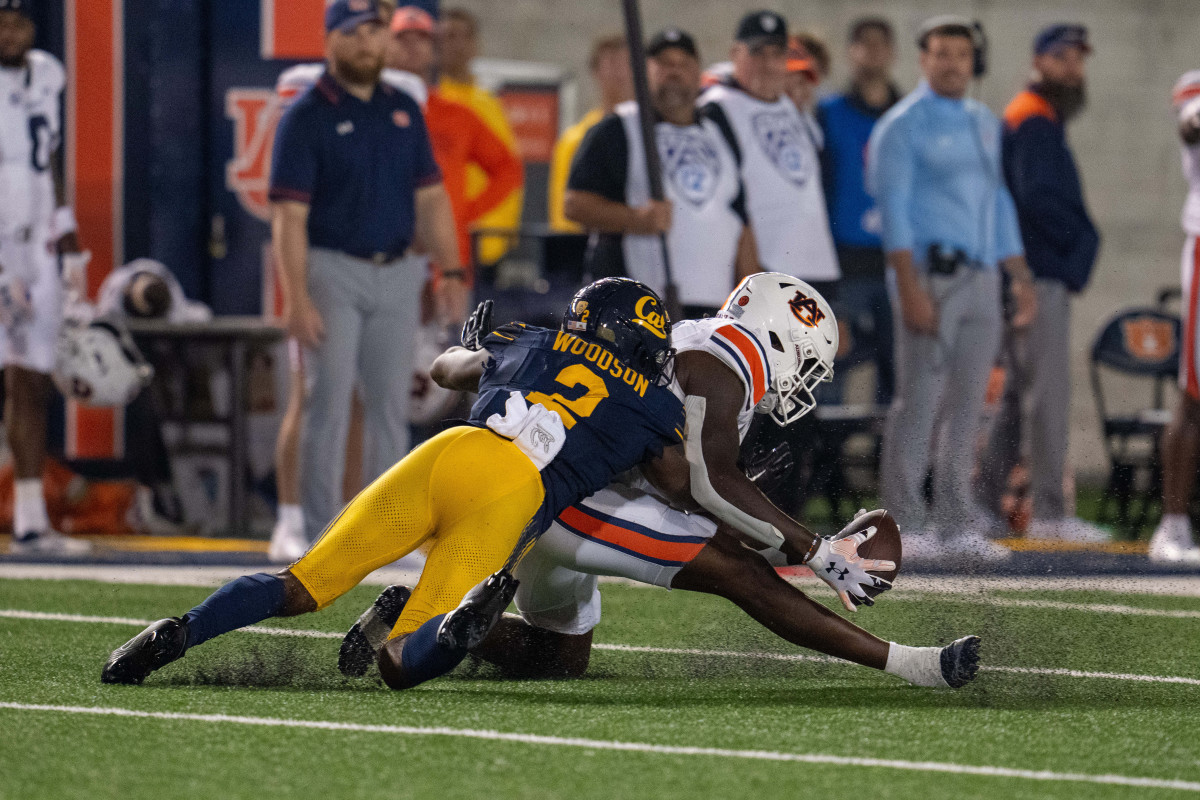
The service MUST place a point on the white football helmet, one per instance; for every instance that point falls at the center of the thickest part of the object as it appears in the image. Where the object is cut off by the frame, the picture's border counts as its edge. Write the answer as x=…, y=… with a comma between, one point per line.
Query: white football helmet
x=98, y=364
x=797, y=329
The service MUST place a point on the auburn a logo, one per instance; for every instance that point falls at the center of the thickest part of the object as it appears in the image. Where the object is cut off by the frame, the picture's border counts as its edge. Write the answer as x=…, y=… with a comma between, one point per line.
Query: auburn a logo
x=255, y=114
x=1148, y=338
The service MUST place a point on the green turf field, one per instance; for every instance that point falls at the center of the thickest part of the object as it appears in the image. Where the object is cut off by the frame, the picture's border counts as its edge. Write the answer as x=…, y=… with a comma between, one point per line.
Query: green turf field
x=269, y=716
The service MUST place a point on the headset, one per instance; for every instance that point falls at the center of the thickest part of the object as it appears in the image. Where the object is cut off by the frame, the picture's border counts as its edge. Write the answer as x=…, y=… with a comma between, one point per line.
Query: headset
x=974, y=27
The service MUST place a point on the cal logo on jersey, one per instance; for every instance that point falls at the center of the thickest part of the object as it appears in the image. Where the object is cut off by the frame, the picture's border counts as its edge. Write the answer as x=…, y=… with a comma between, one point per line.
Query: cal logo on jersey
x=691, y=163
x=806, y=309
x=780, y=139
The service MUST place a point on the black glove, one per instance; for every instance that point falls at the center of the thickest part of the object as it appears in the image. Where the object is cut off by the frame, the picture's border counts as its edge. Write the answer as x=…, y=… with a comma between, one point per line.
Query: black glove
x=477, y=326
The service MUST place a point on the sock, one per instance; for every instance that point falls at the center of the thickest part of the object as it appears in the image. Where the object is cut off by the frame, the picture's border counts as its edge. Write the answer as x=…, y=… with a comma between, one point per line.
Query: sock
x=29, y=507
x=241, y=602
x=423, y=659
x=921, y=666
x=292, y=516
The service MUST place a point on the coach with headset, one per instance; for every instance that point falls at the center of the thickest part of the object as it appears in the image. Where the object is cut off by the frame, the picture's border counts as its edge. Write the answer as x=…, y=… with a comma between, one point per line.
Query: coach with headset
x=949, y=224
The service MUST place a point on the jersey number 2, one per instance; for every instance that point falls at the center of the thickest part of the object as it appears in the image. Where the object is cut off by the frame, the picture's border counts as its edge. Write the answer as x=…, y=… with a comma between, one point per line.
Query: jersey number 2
x=582, y=406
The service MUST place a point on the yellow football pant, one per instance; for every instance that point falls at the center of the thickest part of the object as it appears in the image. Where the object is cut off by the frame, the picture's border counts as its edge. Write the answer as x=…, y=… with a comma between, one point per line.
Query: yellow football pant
x=467, y=492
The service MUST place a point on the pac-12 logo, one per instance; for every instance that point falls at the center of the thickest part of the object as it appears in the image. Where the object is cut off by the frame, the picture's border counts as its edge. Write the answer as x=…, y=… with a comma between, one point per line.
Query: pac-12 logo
x=691, y=163
x=780, y=138
x=806, y=309
x=255, y=114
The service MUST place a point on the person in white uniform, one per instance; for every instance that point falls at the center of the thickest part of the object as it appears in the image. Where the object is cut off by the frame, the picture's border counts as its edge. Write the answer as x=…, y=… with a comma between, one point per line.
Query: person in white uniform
x=778, y=155
x=1173, y=541
x=36, y=225
x=703, y=217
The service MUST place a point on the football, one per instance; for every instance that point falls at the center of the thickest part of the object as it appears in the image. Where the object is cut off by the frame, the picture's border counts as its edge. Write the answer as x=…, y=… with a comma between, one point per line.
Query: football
x=884, y=544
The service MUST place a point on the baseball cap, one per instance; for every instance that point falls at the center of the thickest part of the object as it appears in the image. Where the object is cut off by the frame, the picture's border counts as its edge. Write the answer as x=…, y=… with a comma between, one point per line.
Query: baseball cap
x=760, y=28
x=1056, y=36
x=22, y=7
x=798, y=59
x=673, y=37
x=412, y=18
x=346, y=15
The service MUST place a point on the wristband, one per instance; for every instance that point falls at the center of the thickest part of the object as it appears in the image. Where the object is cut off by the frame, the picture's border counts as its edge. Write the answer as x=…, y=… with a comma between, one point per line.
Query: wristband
x=64, y=222
x=812, y=550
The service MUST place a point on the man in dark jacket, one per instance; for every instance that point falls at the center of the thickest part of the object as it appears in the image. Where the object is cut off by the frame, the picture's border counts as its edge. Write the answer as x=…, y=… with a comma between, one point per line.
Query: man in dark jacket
x=1061, y=244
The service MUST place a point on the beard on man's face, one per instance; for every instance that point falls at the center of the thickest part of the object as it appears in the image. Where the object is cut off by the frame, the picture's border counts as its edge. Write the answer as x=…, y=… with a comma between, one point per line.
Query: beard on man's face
x=1068, y=100
x=361, y=70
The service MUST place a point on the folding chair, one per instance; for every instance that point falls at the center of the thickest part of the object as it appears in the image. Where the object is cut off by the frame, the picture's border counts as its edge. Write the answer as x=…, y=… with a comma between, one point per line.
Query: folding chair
x=1139, y=343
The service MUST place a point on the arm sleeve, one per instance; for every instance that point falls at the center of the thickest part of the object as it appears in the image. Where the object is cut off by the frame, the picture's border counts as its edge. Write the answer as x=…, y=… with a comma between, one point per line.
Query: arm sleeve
x=601, y=163
x=500, y=165
x=890, y=169
x=294, y=163
x=428, y=173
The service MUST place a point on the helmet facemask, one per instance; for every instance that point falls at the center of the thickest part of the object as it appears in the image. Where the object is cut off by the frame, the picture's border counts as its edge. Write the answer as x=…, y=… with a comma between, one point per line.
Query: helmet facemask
x=792, y=393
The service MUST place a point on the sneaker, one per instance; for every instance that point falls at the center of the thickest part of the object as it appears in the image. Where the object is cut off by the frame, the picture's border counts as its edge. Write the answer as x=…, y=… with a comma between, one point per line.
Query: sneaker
x=287, y=544
x=362, y=643
x=470, y=623
x=960, y=662
x=48, y=543
x=974, y=546
x=1172, y=544
x=1067, y=529
x=160, y=644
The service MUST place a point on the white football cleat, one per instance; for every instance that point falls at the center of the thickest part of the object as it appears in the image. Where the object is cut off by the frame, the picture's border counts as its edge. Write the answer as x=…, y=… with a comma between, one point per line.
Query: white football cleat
x=1067, y=529
x=1172, y=543
x=48, y=543
x=287, y=544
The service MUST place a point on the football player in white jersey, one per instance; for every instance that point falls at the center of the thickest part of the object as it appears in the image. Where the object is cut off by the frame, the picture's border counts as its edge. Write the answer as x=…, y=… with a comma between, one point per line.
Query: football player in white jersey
x=36, y=226
x=1172, y=541
x=772, y=343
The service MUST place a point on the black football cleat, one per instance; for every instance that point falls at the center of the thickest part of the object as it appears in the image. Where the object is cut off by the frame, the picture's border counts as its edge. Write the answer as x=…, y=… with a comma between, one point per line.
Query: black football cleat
x=960, y=662
x=470, y=623
x=160, y=644
x=361, y=644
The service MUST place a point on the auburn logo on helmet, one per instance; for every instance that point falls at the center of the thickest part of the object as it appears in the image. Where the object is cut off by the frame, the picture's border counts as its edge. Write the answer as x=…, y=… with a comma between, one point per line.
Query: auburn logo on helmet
x=806, y=309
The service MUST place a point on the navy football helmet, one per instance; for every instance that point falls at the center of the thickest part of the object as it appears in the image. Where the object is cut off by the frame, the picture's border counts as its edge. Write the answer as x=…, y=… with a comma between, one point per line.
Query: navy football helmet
x=628, y=318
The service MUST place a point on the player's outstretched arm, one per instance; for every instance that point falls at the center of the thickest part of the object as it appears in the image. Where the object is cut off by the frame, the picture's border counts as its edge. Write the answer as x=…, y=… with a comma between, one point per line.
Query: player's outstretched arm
x=459, y=369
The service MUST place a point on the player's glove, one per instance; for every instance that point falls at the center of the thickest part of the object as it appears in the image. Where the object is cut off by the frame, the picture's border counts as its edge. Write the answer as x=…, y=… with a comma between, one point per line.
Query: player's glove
x=477, y=326
x=839, y=565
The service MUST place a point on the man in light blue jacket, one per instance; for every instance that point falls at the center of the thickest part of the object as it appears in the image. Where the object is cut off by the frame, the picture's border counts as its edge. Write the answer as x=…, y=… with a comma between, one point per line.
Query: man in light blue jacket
x=949, y=225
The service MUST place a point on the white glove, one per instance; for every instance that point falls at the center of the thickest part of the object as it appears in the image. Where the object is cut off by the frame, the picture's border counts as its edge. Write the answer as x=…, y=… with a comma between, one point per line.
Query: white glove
x=537, y=431
x=840, y=566
x=74, y=275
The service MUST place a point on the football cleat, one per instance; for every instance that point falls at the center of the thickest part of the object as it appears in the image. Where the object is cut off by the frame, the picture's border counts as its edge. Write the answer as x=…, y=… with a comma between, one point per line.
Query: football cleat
x=48, y=543
x=362, y=643
x=470, y=623
x=160, y=644
x=960, y=662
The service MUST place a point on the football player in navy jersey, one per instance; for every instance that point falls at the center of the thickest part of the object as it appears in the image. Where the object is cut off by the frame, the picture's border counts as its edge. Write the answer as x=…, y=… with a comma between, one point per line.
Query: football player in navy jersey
x=560, y=413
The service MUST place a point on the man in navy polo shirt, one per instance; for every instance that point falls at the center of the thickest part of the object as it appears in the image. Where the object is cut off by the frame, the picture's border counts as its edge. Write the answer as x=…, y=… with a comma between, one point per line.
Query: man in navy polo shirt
x=353, y=184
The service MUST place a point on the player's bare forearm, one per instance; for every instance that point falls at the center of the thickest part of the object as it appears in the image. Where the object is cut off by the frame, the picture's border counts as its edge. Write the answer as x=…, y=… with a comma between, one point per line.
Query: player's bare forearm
x=746, y=263
x=702, y=375
x=60, y=186
x=435, y=226
x=459, y=369
x=669, y=474
x=289, y=241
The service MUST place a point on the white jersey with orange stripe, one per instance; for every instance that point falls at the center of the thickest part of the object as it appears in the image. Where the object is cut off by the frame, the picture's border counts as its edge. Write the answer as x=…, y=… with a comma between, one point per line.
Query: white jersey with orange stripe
x=1186, y=100
x=735, y=347
x=295, y=81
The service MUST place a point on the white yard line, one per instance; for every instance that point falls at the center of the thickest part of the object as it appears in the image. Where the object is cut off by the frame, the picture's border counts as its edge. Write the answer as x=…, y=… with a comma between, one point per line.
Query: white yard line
x=635, y=747
x=1055, y=605
x=188, y=575
x=620, y=648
